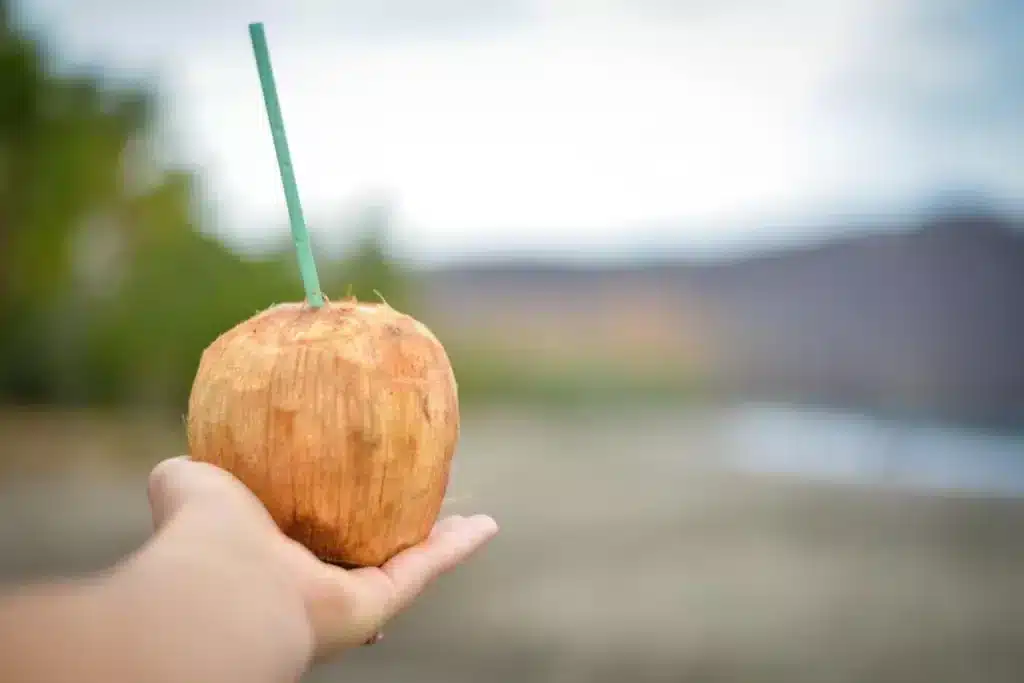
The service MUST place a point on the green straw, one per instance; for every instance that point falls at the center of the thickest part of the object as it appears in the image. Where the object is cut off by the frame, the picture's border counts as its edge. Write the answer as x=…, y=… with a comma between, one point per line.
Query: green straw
x=307, y=266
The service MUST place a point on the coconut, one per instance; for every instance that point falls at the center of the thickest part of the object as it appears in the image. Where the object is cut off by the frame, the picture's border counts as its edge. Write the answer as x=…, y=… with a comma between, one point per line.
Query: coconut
x=342, y=420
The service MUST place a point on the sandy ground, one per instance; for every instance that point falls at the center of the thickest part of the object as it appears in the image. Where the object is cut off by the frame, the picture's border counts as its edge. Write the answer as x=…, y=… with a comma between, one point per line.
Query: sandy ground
x=623, y=557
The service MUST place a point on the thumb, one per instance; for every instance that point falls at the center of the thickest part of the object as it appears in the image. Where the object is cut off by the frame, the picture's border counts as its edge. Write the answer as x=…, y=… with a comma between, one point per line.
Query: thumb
x=177, y=481
x=165, y=489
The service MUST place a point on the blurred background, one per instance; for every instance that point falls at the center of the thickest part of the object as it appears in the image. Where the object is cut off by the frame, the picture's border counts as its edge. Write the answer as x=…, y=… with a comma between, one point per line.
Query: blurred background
x=734, y=292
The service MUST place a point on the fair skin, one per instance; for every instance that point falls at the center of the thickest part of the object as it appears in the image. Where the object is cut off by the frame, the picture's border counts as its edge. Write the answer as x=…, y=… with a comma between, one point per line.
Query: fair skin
x=217, y=594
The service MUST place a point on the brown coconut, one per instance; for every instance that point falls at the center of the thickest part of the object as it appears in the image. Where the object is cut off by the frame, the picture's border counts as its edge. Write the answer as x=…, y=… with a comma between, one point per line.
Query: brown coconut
x=343, y=421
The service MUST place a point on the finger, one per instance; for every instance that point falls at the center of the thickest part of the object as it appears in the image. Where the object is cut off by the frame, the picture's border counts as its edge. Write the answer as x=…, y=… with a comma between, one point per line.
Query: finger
x=352, y=605
x=446, y=524
x=451, y=544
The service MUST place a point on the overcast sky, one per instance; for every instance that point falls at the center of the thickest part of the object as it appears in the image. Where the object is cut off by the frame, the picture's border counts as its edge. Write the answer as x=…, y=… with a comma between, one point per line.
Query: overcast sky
x=579, y=126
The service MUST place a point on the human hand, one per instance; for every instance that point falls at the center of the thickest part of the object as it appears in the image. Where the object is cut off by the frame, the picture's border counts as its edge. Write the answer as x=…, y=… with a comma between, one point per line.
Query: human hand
x=344, y=608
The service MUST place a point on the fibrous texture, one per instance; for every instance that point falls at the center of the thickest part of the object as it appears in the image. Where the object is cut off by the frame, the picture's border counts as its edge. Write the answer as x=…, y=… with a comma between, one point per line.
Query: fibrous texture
x=343, y=420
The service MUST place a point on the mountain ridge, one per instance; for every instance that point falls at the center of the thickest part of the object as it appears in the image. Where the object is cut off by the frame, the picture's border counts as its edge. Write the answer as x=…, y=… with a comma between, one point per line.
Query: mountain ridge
x=928, y=320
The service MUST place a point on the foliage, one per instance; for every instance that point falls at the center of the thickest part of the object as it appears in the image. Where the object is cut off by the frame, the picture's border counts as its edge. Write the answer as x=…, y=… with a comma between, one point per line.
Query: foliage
x=110, y=286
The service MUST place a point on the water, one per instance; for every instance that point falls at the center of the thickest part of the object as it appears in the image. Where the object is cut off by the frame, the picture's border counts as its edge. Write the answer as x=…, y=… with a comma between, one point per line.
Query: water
x=769, y=438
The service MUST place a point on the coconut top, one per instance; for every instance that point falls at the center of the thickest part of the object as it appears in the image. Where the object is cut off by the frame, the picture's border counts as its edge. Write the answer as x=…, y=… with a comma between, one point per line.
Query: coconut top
x=371, y=335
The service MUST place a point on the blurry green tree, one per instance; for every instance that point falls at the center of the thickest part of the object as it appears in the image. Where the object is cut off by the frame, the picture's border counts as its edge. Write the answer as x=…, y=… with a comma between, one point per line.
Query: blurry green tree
x=109, y=286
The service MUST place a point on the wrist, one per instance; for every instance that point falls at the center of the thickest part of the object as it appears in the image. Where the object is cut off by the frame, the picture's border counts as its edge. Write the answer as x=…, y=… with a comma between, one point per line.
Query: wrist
x=193, y=588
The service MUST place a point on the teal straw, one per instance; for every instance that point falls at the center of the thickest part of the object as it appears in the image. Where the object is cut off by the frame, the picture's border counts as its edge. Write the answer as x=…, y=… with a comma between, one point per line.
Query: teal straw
x=307, y=266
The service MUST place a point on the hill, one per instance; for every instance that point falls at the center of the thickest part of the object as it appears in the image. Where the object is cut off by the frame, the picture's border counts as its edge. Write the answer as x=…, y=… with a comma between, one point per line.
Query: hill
x=928, y=321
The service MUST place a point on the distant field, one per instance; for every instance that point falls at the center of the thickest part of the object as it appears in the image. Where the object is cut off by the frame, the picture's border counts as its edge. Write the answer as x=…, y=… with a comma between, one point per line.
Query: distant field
x=623, y=557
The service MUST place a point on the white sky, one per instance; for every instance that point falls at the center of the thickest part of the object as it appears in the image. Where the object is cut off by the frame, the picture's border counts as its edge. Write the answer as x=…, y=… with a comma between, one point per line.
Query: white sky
x=585, y=127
